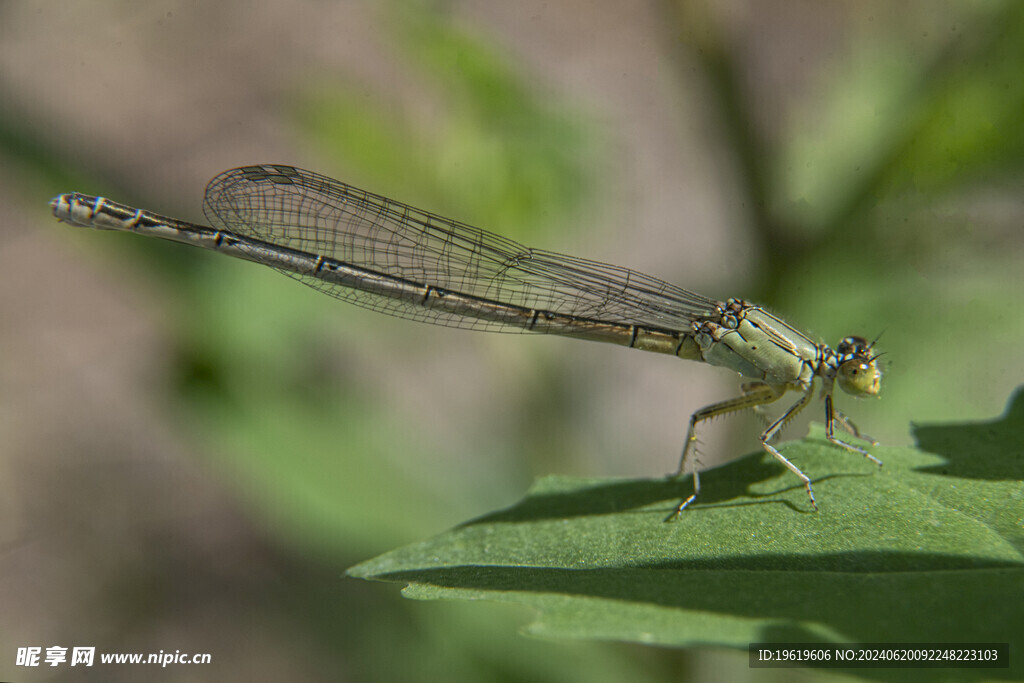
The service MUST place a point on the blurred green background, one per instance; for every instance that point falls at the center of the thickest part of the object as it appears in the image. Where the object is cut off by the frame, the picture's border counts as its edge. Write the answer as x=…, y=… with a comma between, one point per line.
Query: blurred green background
x=195, y=449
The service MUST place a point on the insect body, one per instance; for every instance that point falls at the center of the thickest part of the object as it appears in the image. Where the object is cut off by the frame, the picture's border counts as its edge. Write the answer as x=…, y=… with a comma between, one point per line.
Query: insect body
x=390, y=257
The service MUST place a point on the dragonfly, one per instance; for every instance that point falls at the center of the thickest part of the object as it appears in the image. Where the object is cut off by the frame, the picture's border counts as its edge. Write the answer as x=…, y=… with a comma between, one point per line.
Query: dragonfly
x=390, y=257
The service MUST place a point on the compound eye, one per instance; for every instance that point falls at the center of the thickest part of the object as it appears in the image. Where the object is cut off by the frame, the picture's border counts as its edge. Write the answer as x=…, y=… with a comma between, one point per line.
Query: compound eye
x=853, y=346
x=860, y=377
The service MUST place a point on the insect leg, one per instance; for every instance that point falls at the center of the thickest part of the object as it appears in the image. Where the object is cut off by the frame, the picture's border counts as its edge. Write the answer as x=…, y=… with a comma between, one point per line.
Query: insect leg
x=754, y=394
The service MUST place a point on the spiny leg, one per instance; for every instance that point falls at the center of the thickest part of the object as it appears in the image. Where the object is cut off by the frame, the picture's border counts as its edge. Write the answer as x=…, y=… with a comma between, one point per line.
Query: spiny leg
x=773, y=431
x=754, y=394
x=831, y=417
x=848, y=425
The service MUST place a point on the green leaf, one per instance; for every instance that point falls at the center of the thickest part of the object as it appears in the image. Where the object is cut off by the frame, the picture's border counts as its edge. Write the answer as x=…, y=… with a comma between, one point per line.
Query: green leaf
x=929, y=548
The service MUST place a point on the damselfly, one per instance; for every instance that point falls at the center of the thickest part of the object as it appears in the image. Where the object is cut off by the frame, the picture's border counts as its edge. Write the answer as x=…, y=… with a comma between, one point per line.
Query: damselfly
x=386, y=256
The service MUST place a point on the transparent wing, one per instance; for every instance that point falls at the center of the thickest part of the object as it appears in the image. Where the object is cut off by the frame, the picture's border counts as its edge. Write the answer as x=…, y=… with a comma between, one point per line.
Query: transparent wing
x=312, y=213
